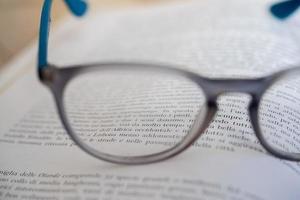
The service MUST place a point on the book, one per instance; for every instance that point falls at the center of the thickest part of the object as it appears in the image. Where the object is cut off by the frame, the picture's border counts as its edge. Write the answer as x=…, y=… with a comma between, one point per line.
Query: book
x=213, y=38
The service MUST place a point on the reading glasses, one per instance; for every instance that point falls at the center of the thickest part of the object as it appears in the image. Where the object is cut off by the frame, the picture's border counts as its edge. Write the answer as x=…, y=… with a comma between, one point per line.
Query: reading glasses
x=137, y=113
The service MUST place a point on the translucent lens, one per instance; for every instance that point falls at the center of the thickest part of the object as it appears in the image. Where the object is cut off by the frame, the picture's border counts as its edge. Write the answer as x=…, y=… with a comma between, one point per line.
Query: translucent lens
x=279, y=115
x=132, y=112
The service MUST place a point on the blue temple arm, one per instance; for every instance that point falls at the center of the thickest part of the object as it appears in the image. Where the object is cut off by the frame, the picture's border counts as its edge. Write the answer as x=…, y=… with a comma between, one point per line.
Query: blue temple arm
x=77, y=7
x=285, y=9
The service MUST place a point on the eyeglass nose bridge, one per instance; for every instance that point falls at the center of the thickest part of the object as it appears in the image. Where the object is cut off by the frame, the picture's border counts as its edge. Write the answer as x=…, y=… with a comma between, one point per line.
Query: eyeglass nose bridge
x=213, y=88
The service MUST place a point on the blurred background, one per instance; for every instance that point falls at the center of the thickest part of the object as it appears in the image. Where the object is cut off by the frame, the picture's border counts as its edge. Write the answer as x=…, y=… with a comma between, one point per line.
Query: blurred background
x=19, y=21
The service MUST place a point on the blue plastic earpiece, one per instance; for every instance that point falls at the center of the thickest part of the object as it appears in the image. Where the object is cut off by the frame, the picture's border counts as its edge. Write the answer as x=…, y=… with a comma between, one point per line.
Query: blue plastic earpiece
x=78, y=7
x=284, y=9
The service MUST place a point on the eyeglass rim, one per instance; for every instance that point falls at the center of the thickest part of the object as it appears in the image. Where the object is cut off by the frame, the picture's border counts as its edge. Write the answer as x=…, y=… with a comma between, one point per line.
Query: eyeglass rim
x=57, y=78
x=254, y=115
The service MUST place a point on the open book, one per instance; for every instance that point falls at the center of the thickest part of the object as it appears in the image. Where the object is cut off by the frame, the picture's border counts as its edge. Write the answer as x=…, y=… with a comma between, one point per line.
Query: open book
x=213, y=38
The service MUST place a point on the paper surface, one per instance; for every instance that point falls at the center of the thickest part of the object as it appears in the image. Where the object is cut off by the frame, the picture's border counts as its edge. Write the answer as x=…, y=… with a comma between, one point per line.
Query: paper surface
x=213, y=38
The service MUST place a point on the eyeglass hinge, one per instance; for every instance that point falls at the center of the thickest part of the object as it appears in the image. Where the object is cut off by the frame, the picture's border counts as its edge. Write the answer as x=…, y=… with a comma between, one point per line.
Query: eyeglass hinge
x=47, y=74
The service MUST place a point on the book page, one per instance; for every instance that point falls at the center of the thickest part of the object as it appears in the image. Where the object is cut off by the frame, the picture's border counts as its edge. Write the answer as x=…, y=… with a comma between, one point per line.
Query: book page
x=212, y=38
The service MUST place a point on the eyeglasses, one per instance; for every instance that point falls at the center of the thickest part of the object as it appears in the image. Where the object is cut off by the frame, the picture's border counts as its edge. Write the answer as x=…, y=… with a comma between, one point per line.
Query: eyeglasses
x=137, y=113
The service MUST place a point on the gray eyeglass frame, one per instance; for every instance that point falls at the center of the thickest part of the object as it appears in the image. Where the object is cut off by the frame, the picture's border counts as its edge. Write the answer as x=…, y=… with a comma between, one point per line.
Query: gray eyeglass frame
x=57, y=78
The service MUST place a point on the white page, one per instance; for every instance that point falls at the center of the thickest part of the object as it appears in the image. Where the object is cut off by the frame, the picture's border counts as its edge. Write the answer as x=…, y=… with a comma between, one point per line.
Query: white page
x=178, y=34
